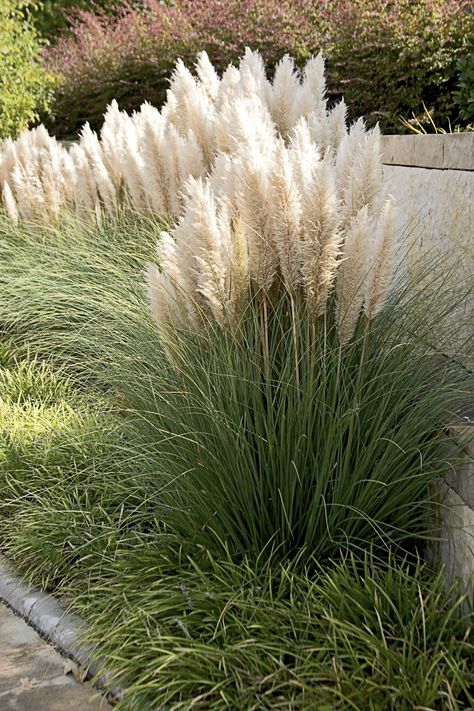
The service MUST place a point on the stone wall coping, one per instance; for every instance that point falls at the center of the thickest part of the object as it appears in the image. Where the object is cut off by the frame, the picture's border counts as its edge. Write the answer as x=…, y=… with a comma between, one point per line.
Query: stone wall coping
x=450, y=151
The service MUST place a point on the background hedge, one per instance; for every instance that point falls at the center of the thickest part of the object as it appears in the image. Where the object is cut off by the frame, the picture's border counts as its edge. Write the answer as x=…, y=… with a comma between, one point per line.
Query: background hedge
x=387, y=57
x=25, y=84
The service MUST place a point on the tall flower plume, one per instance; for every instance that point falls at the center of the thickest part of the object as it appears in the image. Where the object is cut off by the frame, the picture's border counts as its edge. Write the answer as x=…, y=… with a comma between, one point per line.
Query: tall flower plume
x=265, y=190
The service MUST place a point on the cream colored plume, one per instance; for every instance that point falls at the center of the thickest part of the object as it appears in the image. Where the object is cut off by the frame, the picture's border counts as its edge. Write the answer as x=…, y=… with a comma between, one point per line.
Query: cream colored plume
x=312, y=93
x=283, y=97
x=9, y=202
x=321, y=243
x=267, y=190
x=352, y=272
x=86, y=197
x=359, y=171
x=112, y=140
x=287, y=218
x=207, y=76
x=382, y=252
x=206, y=247
x=256, y=211
x=166, y=291
x=100, y=176
x=191, y=107
x=253, y=78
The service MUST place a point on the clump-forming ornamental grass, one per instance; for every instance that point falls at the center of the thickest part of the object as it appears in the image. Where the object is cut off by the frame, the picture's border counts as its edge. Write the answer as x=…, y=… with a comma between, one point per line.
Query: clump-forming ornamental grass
x=273, y=186
x=255, y=437
x=272, y=189
x=79, y=512
x=294, y=389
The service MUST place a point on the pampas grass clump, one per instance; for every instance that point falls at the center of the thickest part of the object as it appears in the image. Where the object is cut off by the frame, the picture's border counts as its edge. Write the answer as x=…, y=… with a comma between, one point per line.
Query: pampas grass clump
x=266, y=187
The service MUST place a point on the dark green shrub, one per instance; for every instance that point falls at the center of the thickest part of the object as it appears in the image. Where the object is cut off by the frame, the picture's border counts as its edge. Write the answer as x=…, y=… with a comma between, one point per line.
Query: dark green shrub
x=25, y=84
x=464, y=95
x=389, y=57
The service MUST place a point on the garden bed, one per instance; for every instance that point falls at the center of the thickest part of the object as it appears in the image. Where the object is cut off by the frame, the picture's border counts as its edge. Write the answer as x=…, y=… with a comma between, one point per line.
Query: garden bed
x=224, y=406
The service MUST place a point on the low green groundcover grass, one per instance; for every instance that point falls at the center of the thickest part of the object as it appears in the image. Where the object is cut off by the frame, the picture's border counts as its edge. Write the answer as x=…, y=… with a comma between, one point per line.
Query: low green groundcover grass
x=100, y=441
x=179, y=627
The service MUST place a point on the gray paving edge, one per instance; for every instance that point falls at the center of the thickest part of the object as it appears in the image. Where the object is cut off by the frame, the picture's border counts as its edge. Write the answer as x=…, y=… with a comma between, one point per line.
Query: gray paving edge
x=64, y=630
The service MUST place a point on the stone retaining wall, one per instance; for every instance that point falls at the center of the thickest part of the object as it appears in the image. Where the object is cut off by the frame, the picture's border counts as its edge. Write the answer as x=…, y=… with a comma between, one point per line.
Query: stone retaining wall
x=432, y=179
x=455, y=512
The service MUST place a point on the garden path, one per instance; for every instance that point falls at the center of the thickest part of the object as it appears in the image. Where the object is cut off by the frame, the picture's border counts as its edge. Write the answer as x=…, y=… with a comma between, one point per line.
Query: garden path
x=34, y=676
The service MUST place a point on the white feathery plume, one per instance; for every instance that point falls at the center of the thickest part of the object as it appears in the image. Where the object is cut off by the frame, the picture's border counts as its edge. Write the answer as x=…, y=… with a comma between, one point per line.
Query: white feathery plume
x=191, y=108
x=19, y=189
x=169, y=110
x=25, y=149
x=132, y=166
x=51, y=174
x=156, y=173
x=51, y=182
x=9, y=202
x=283, y=98
x=352, y=273
x=367, y=175
x=223, y=181
x=312, y=91
x=165, y=288
x=207, y=75
x=253, y=178
x=228, y=86
x=70, y=178
x=287, y=218
x=29, y=193
x=351, y=144
x=222, y=177
x=112, y=137
x=239, y=263
x=182, y=85
x=89, y=141
x=359, y=170
x=86, y=198
x=382, y=261
x=185, y=153
x=160, y=293
x=321, y=243
x=42, y=173
x=320, y=131
x=208, y=246
x=8, y=158
x=304, y=154
x=253, y=79
x=337, y=120
x=244, y=125
x=201, y=119
x=228, y=132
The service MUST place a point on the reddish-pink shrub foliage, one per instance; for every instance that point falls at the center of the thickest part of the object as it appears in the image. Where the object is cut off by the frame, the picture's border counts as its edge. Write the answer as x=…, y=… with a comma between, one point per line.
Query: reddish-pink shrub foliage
x=386, y=56
x=129, y=57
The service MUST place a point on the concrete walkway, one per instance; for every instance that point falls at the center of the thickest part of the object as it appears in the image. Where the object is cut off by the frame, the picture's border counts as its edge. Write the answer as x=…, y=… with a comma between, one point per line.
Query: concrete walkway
x=34, y=677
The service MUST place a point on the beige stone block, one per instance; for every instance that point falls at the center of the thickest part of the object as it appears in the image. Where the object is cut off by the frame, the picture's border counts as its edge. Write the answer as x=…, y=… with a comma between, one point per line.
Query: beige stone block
x=442, y=151
x=455, y=546
x=461, y=479
x=435, y=217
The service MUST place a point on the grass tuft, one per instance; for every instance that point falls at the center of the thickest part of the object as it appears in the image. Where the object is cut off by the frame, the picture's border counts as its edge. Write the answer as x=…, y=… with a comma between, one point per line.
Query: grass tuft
x=239, y=523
